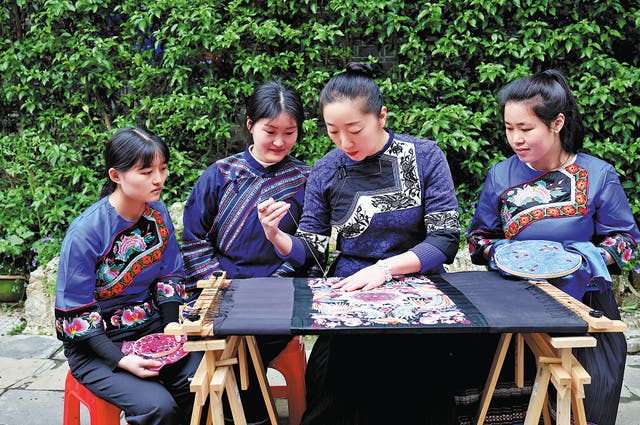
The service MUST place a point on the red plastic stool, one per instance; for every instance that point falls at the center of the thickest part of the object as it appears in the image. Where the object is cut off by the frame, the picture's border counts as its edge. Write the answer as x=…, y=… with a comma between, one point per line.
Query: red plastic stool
x=101, y=411
x=292, y=363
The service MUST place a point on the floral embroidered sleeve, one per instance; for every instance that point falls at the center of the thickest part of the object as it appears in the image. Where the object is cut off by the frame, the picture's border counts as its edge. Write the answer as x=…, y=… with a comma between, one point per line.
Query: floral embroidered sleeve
x=478, y=242
x=170, y=289
x=615, y=222
x=622, y=247
x=78, y=324
x=77, y=313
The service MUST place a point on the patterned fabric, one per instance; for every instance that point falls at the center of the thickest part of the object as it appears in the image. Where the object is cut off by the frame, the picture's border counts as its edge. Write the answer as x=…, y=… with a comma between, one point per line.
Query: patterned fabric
x=583, y=202
x=581, y=205
x=114, y=274
x=400, y=199
x=221, y=226
x=405, y=192
x=130, y=316
x=454, y=303
x=509, y=404
x=553, y=195
x=406, y=301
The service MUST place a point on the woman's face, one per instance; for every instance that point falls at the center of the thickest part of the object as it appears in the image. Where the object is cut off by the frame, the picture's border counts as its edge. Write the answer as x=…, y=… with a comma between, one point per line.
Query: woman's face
x=142, y=184
x=354, y=132
x=273, y=138
x=531, y=139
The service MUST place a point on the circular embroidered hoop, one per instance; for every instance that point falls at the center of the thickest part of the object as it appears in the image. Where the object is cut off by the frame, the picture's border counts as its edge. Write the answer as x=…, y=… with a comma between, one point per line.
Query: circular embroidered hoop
x=156, y=345
x=536, y=259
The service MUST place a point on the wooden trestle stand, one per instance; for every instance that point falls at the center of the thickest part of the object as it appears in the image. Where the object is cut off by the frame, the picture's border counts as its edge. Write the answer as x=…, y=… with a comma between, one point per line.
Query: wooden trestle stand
x=555, y=363
x=215, y=373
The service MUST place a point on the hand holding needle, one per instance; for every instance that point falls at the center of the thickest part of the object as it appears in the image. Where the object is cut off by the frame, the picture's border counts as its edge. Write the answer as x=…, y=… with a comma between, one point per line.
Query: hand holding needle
x=270, y=214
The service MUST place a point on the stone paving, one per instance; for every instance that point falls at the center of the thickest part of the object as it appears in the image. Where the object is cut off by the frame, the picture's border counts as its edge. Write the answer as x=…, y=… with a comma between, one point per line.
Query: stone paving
x=33, y=368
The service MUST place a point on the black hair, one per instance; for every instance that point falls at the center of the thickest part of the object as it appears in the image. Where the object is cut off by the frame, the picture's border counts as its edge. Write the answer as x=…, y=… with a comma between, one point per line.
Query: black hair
x=548, y=94
x=355, y=83
x=128, y=147
x=272, y=98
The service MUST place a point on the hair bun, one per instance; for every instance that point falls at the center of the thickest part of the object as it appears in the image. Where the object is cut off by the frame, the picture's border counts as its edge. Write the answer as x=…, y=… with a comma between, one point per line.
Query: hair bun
x=359, y=68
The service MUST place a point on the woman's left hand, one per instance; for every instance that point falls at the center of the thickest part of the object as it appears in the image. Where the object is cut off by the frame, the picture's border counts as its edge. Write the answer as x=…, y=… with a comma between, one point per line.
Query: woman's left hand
x=368, y=278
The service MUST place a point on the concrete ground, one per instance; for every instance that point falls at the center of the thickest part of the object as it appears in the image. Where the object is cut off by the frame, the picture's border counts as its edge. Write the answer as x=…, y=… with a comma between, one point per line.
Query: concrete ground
x=33, y=369
x=32, y=374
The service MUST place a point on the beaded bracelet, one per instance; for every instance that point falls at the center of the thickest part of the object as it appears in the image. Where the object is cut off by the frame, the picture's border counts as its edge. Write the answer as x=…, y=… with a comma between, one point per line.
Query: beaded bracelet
x=382, y=265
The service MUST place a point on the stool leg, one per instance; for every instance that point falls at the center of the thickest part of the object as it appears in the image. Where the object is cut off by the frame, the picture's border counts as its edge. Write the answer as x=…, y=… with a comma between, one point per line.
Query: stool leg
x=101, y=412
x=295, y=392
x=296, y=401
x=71, y=415
x=105, y=413
x=291, y=363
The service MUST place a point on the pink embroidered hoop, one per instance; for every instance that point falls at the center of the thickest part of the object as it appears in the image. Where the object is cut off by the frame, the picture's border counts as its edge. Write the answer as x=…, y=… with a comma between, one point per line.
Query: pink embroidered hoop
x=158, y=346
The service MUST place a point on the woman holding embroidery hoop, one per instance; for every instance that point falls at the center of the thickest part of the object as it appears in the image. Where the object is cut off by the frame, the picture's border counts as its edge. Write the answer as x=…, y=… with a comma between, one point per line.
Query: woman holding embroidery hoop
x=550, y=190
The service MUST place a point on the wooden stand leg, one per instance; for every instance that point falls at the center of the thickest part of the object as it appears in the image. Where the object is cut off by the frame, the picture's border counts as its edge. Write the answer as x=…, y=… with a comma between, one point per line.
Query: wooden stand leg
x=577, y=407
x=519, y=359
x=243, y=365
x=262, y=379
x=494, y=374
x=215, y=409
x=215, y=376
x=563, y=406
x=546, y=416
x=233, y=395
x=200, y=387
x=538, y=394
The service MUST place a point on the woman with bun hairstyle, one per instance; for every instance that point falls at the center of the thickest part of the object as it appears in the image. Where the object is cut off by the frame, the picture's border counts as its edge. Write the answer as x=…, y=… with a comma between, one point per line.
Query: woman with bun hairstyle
x=390, y=200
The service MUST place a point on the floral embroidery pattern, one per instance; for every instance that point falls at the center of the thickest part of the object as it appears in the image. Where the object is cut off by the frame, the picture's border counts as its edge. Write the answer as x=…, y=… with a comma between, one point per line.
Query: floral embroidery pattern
x=409, y=300
x=131, y=316
x=621, y=246
x=479, y=240
x=132, y=251
x=444, y=220
x=80, y=325
x=170, y=289
x=561, y=193
x=407, y=195
x=318, y=242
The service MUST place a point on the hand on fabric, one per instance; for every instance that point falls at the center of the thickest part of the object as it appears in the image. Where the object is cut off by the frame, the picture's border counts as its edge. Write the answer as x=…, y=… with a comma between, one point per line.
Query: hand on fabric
x=367, y=278
x=142, y=368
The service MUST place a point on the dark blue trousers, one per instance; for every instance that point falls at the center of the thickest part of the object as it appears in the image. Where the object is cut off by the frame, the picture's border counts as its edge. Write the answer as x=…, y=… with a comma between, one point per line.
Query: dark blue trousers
x=164, y=400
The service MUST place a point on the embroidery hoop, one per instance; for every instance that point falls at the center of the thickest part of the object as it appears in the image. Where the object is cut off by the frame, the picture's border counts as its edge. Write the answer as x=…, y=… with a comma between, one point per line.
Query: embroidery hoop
x=536, y=259
x=157, y=346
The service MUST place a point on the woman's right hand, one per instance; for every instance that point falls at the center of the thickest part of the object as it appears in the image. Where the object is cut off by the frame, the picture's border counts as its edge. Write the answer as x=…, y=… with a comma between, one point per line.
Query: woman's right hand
x=270, y=214
x=142, y=368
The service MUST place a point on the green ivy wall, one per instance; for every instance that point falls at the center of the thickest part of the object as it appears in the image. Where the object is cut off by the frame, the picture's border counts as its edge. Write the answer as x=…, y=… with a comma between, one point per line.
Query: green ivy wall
x=73, y=71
